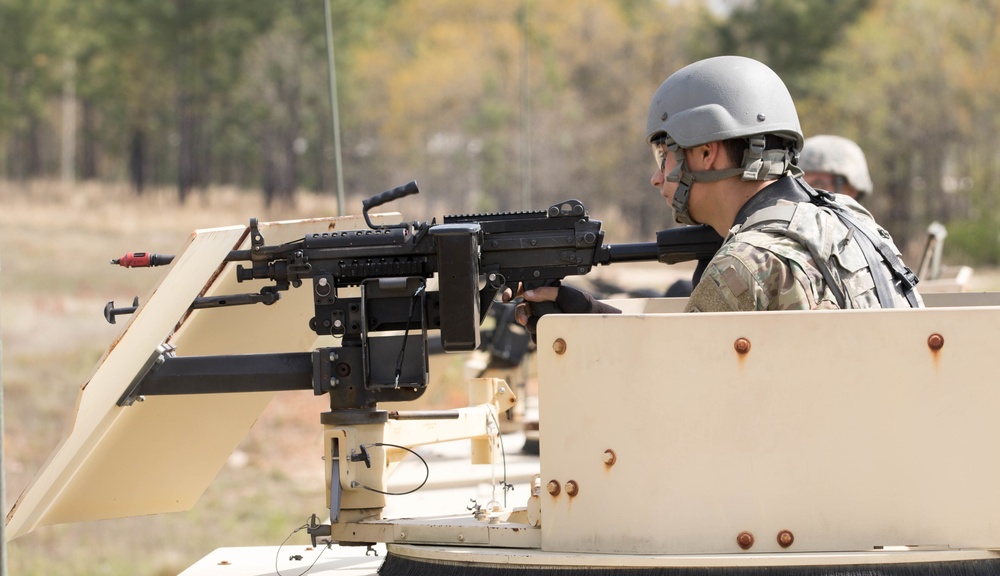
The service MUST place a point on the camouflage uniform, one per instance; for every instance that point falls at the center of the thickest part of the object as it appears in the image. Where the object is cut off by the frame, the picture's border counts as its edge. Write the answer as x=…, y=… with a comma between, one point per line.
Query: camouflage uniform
x=765, y=266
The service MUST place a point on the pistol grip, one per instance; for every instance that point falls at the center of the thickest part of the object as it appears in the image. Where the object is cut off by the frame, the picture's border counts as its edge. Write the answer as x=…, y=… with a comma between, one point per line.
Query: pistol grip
x=539, y=309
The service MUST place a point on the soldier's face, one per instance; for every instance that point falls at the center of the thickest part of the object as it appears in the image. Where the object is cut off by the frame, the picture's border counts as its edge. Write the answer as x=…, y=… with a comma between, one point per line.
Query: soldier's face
x=665, y=163
x=830, y=182
x=821, y=180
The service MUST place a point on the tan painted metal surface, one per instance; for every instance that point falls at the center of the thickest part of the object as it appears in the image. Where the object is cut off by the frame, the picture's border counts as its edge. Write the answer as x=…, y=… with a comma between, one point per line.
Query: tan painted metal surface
x=159, y=455
x=289, y=560
x=832, y=431
x=510, y=531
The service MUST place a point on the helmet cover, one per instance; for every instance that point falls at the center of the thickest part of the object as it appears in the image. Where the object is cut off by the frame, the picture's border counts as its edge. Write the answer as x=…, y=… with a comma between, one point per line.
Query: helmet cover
x=837, y=155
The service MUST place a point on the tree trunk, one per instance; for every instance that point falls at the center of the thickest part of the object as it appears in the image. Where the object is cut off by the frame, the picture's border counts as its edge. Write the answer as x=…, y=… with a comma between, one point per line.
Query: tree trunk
x=88, y=142
x=137, y=161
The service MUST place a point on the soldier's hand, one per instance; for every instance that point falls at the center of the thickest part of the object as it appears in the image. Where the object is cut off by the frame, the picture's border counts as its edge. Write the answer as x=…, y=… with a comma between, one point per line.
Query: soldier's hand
x=528, y=315
x=523, y=298
x=565, y=298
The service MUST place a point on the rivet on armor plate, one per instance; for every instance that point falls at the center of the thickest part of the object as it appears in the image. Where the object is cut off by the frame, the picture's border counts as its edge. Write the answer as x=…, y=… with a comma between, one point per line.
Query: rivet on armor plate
x=745, y=540
x=571, y=488
x=785, y=538
x=935, y=341
x=742, y=345
x=553, y=487
x=559, y=346
x=609, y=457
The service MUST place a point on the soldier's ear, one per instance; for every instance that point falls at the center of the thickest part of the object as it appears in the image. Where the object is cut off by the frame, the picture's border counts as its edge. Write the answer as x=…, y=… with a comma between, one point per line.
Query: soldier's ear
x=702, y=157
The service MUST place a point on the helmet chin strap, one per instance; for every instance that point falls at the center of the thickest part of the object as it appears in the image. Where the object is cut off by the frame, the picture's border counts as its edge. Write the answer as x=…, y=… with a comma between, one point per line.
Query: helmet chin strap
x=758, y=165
x=686, y=178
x=682, y=194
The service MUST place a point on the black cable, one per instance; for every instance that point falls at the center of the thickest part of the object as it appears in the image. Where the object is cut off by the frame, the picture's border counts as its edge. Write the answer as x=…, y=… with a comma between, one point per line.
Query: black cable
x=426, y=468
x=503, y=456
x=427, y=475
x=406, y=333
x=277, y=554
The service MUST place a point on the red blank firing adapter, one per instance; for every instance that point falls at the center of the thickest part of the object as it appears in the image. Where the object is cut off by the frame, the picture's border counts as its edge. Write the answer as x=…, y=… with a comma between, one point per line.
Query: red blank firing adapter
x=143, y=260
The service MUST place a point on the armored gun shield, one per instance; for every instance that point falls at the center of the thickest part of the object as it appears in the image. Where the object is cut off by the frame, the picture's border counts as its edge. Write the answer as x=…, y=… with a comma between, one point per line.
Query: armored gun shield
x=159, y=455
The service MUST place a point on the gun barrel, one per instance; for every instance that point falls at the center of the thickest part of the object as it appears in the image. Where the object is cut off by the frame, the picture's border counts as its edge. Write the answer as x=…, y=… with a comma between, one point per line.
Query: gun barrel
x=680, y=244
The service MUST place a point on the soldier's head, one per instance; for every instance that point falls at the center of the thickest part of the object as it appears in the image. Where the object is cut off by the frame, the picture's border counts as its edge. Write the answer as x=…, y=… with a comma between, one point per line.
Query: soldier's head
x=732, y=100
x=836, y=164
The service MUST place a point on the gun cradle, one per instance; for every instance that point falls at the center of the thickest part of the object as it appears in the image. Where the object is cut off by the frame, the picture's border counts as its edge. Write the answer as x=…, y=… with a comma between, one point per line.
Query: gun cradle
x=362, y=450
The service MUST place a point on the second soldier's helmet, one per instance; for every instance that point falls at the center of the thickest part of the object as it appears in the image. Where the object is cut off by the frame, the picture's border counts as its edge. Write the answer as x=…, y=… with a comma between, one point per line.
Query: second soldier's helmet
x=721, y=98
x=839, y=156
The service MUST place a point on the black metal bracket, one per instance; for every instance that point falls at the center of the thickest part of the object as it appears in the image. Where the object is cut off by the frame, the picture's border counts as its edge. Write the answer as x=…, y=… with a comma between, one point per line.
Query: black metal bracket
x=341, y=372
x=167, y=374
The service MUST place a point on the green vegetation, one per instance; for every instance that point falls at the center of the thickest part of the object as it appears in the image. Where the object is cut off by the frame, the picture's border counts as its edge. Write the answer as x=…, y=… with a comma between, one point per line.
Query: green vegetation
x=974, y=242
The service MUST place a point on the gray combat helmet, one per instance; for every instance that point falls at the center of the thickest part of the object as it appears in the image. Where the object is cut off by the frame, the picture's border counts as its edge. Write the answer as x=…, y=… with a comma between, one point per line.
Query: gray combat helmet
x=839, y=156
x=719, y=99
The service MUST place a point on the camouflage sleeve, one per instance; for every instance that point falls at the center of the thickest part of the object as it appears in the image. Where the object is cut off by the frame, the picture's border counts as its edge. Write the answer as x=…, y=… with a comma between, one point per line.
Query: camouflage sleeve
x=745, y=277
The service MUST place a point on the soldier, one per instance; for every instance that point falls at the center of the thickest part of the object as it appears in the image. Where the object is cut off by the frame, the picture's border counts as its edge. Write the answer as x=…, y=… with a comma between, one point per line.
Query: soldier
x=836, y=164
x=725, y=135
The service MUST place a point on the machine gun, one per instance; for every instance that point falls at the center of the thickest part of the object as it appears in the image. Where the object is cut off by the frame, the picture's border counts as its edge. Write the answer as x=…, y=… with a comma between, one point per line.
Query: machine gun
x=383, y=329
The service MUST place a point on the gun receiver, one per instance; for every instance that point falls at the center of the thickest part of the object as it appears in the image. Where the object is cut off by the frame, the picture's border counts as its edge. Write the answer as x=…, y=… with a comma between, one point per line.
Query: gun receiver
x=383, y=331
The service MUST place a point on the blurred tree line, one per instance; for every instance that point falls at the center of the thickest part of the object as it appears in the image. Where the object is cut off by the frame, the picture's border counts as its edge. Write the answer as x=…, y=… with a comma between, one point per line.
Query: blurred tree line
x=491, y=105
